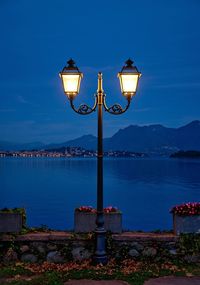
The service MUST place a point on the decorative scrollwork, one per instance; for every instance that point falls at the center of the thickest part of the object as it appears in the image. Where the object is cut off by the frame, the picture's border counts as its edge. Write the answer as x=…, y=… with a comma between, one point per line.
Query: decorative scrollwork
x=115, y=109
x=84, y=109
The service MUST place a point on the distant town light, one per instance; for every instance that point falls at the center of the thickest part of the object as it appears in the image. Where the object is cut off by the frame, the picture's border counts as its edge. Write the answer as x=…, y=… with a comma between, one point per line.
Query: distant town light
x=71, y=79
x=128, y=78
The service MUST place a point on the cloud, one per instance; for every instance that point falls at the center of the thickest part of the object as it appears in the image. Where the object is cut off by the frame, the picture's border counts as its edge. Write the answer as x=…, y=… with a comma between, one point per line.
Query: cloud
x=22, y=100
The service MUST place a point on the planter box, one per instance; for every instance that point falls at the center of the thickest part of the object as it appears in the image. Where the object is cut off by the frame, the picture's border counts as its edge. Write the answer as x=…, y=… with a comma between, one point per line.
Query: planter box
x=86, y=222
x=186, y=224
x=10, y=222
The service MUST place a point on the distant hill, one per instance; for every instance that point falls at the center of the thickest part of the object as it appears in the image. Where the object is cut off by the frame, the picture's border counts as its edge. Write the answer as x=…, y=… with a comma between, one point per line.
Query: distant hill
x=87, y=142
x=156, y=138
x=151, y=139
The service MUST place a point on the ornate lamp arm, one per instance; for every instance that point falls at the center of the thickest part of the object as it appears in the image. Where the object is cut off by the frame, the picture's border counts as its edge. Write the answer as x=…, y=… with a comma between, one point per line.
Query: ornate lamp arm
x=116, y=109
x=84, y=109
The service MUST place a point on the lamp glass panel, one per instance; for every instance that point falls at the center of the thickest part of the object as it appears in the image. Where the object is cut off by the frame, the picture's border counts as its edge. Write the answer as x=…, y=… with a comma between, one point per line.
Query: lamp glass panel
x=129, y=82
x=71, y=83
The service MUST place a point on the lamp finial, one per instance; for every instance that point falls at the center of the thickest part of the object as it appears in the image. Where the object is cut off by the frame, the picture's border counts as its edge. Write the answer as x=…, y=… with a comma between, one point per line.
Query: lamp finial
x=71, y=63
x=129, y=63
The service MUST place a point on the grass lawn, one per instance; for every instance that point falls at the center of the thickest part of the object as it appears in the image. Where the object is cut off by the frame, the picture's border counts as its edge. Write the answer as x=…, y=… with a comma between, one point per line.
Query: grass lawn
x=133, y=272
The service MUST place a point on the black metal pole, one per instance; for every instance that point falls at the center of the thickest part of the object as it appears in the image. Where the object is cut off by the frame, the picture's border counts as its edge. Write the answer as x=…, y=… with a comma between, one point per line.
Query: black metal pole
x=100, y=233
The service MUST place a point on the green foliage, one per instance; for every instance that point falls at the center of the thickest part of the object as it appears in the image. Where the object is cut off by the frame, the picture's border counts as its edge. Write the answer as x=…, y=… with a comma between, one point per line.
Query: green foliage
x=148, y=270
x=138, y=278
x=52, y=278
x=122, y=253
x=41, y=228
x=66, y=251
x=158, y=231
x=189, y=244
x=113, y=249
x=109, y=242
x=4, y=247
x=85, y=274
x=10, y=271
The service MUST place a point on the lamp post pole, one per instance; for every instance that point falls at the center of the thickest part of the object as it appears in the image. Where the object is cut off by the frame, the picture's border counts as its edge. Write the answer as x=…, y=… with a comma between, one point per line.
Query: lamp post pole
x=100, y=253
x=71, y=78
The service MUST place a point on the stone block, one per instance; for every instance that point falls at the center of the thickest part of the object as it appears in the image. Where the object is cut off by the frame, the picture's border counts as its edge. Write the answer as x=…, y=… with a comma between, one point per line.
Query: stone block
x=149, y=251
x=10, y=256
x=137, y=246
x=133, y=253
x=186, y=224
x=10, y=222
x=55, y=257
x=29, y=257
x=24, y=248
x=51, y=247
x=80, y=253
x=39, y=247
x=86, y=222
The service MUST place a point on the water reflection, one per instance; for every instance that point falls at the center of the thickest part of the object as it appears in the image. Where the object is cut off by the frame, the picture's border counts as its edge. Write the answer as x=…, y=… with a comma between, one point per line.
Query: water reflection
x=144, y=189
x=155, y=171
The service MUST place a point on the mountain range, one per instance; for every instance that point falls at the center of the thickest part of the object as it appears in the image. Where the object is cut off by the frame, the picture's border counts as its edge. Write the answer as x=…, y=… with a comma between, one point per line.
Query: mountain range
x=152, y=138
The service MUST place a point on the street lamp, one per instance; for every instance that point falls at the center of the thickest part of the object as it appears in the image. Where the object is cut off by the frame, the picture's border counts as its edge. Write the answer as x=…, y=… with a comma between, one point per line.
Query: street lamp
x=129, y=77
x=71, y=79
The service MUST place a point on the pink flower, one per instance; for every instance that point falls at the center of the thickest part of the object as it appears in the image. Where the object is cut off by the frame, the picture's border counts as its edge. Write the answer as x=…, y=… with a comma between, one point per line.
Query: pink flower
x=90, y=209
x=187, y=209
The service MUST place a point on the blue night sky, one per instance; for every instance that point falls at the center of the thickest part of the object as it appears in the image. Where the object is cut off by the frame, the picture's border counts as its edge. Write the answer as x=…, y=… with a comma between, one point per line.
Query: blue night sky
x=38, y=37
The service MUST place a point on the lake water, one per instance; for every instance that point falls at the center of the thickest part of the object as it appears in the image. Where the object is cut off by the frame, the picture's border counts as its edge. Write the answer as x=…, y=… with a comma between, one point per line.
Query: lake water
x=144, y=189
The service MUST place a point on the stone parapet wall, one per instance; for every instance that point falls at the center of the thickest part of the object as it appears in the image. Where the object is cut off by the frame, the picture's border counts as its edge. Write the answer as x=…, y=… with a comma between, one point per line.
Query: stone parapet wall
x=142, y=245
x=61, y=247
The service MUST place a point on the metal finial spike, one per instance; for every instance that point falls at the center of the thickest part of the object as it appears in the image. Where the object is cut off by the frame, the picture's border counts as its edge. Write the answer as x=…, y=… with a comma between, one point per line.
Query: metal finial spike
x=129, y=63
x=71, y=63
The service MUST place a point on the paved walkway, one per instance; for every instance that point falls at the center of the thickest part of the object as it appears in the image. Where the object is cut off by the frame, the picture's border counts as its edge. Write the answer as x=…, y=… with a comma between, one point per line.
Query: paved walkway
x=94, y=282
x=174, y=281
x=156, y=281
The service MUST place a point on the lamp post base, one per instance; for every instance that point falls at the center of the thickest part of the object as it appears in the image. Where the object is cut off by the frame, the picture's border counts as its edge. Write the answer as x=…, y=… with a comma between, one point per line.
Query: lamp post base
x=100, y=260
x=100, y=256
